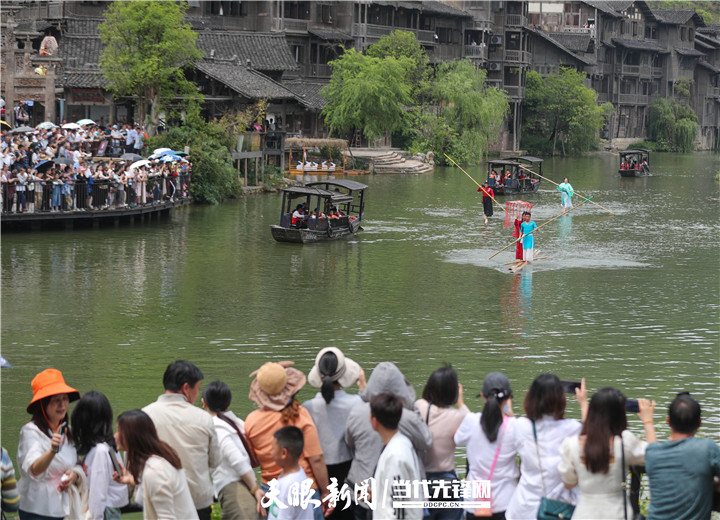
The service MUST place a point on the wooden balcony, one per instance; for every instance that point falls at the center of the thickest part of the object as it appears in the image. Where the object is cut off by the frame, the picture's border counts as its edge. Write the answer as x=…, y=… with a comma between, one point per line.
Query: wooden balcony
x=372, y=31
x=445, y=52
x=580, y=30
x=633, y=99
x=515, y=20
x=481, y=25
x=291, y=26
x=475, y=52
x=519, y=57
x=320, y=71
x=515, y=92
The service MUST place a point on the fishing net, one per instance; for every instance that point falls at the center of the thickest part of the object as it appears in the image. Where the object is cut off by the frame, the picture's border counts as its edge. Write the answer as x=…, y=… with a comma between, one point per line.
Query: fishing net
x=514, y=210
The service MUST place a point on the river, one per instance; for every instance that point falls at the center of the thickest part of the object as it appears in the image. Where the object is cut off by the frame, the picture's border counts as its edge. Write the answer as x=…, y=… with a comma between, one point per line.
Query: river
x=630, y=300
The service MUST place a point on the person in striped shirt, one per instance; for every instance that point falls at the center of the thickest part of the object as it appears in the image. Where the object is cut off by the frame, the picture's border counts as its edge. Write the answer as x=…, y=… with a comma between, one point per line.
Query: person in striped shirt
x=10, y=495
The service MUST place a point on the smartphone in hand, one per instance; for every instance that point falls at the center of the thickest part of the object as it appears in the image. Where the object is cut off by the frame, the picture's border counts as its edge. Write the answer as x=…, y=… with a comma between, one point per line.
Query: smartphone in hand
x=570, y=386
x=631, y=405
x=116, y=465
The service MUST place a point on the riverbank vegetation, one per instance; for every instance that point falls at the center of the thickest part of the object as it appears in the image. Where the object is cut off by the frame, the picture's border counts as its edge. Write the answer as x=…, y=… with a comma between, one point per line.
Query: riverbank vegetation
x=672, y=126
x=560, y=111
x=392, y=89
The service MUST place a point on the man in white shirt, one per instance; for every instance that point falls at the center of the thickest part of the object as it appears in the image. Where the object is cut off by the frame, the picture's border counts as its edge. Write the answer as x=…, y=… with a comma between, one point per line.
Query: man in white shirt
x=188, y=429
x=398, y=461
x=130, y=139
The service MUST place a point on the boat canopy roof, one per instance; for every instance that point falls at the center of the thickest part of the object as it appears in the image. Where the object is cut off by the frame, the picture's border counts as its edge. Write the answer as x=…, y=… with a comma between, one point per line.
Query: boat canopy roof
x=308, y=142
x=504, y=162
x=342, y=183
x=635, y=151
x=527, y=158
x=299, y=191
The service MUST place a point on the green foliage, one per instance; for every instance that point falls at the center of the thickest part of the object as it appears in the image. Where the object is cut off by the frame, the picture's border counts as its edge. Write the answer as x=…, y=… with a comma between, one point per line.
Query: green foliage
x=682, y=89
x=471, y=111
x=146, y=44
x=671, y=125
x=213, y=175
x=560, y=109
x=404, y=44
x=686, y=130
x=367, y=93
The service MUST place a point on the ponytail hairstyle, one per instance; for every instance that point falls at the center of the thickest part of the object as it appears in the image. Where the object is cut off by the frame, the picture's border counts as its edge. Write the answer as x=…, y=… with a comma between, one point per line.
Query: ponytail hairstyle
x=328, y=366
x=217, y=397
x=492, y=417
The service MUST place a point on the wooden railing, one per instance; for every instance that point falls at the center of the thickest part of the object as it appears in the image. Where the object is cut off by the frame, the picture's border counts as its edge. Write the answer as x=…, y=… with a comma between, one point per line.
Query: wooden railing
x=475, y=52
x=360, y=30
x=517, y=56
x=515, y=20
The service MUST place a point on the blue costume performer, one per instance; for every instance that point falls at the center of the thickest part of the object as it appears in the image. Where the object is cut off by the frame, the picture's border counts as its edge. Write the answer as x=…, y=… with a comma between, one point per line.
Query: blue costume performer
x=566, y=193
x=528, y=239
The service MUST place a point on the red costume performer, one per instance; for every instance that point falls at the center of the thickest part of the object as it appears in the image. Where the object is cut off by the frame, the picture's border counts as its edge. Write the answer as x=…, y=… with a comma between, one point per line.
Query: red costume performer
x=519, y=246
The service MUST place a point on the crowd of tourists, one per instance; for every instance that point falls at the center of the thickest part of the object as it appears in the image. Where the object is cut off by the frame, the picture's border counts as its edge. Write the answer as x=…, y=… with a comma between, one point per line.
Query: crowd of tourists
x=353, y=455
x=57, y=169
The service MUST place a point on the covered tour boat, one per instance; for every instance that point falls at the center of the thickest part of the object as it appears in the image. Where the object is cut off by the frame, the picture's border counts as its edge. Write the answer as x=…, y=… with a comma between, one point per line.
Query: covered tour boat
x=634, y=163
x=514, y=175
x=330, y=210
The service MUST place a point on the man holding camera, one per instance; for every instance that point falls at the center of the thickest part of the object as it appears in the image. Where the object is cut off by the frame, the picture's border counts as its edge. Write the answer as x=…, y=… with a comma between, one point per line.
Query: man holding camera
x=683, y=471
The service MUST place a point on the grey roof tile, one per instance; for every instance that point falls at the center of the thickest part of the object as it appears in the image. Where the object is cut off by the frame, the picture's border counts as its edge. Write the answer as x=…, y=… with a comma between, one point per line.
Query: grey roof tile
x=247, y=82
x=332, y=35
x=676, y=16
x=547, y=36
x=266, y=51
x=82, y=80
x=684, y=51
x=573, y=41
x=640, y=45
x=307, y=93
x=708, y=66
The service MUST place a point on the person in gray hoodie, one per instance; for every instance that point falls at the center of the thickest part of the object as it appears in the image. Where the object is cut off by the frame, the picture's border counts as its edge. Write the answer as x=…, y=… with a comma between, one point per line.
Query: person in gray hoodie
x=365, y=443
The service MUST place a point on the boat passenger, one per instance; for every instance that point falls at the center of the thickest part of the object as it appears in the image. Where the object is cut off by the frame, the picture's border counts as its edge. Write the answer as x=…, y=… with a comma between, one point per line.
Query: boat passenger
x=300, y=166
x=332, y=166
x=324, y=165
x=298, y=218
x=645, y=166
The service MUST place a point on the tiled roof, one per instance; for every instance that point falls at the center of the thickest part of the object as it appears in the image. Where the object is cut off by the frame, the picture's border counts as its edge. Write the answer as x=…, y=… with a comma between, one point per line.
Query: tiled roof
x=80, y=52
x=709, y=40
x=247, y=82
x=639, y=45
x=684, y=51
x=86, y=26
x=574, y=42
x=441, y=9
x=712, y=28
x=676, y=16
x=331, y=35
x=704, y=45
x=32, y=26
x=547, y=37
x=82, y=80
x=708, y=66
x=307, y=93
x=605, y=7
x=266, y=52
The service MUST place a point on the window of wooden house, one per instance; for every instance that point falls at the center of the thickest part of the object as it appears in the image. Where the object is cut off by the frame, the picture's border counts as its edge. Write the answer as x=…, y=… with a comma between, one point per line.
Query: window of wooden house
x=657, y=61
x=691, y=35
x=426, y=23
x=650, y=32
x=512, y=41
x=445, y=35
x=634, y=28
x=403, y=18
x=683, y=33
x=297, y=10
x=298, y=52
x=228, y=8
x=602, y=55
x=632, y=58
x=326, y=13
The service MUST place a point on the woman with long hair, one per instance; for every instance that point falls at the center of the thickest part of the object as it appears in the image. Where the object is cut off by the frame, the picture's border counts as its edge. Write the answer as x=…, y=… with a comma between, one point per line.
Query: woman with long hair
x=47, y=458
x=490, y=456
x=598, y=460
x=92, y=421
x=330, y=409
x=536, y=438
x=155, y=466
x=441, y=393
x=235, y=465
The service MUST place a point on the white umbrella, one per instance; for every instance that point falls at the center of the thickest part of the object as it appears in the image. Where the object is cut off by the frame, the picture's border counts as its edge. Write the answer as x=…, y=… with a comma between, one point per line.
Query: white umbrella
x=71, y=126
x=86, y=122
x=138, y=164
x=158, y=151
x=46, y=125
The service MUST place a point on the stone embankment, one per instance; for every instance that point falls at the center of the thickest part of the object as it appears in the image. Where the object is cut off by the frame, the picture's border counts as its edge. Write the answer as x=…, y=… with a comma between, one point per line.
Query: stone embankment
x=389, y=160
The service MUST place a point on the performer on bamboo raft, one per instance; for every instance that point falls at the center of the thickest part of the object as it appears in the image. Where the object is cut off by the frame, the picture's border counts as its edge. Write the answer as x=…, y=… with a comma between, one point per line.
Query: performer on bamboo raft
x=487, y=197
x=516, y=234
x=566, y=193
x=527, y=237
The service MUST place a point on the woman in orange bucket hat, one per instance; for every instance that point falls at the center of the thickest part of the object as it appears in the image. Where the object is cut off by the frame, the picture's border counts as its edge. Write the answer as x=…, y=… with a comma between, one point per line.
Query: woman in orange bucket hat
x=46, y=453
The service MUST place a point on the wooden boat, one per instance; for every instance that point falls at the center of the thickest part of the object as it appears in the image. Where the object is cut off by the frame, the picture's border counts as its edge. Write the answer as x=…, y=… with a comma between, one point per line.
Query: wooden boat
x=301, y=165
x=521, y=178
x=320, y=197
x=634, y=163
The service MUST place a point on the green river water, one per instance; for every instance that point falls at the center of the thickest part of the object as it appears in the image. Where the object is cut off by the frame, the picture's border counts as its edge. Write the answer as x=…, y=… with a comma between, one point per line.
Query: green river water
x=630, y=300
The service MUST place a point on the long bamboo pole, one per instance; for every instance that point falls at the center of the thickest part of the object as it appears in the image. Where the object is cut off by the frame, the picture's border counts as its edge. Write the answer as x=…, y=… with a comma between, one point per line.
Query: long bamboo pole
x=541, y=225
x=476, y=182
x=556, y=184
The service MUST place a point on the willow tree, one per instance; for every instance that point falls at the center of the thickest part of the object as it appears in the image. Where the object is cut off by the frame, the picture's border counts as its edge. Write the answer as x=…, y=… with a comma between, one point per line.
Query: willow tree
x=471, y=112
x=367, y=93
x=560, y=109
x=146, y=46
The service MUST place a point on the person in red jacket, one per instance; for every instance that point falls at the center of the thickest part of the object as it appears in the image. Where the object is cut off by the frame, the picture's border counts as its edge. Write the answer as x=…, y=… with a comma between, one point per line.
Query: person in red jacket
x=488, y=195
